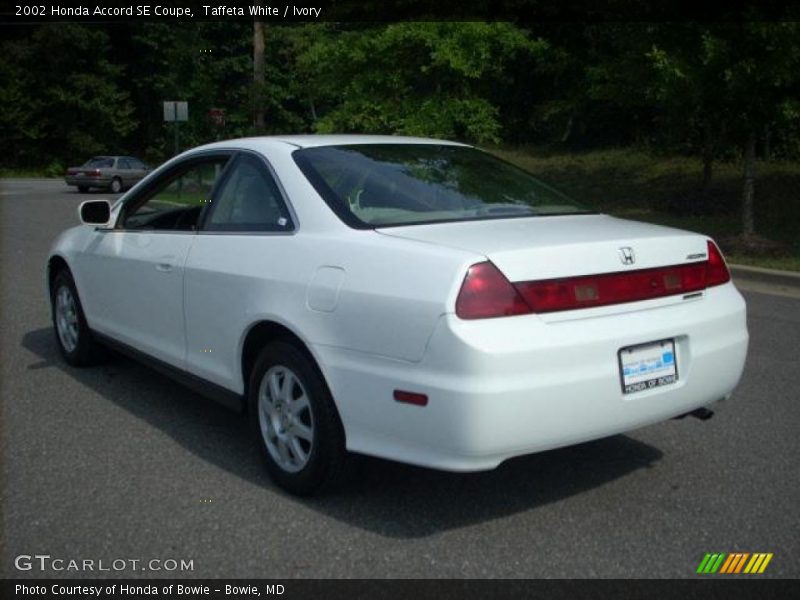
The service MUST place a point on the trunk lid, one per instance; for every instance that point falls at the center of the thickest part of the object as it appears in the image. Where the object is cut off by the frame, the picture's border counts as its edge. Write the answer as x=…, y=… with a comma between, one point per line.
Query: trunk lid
x=527, y=249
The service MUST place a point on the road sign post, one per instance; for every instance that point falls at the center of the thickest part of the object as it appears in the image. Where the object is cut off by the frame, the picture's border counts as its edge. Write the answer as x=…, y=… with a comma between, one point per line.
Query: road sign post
x=176, y=111
x=217, y=118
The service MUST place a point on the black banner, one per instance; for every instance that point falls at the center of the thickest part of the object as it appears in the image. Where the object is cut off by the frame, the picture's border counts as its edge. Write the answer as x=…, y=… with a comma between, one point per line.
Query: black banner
x=706, y=587
x=30, y=12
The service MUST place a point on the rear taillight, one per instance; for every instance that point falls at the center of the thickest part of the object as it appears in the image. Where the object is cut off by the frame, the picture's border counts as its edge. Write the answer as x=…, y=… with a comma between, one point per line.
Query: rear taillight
x=612, y=288
x=486, y=293
x=716, y=270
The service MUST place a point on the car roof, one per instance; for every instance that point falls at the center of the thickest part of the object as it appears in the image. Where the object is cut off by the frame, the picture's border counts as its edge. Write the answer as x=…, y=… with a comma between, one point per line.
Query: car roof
x=312, y=141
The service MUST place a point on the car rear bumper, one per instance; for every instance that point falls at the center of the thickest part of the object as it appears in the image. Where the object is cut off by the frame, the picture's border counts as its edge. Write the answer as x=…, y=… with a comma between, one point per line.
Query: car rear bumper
x=500, y=388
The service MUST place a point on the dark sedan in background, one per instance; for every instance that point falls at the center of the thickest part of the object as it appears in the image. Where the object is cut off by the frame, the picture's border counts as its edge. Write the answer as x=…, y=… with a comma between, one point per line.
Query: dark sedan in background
x=113, y=173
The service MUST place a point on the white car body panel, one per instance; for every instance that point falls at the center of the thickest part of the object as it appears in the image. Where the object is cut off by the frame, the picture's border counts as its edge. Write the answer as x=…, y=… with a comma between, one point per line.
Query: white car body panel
x=263, y=285
x=549, y=247
x=376, y=309
x=117, y=267
x=505, y=387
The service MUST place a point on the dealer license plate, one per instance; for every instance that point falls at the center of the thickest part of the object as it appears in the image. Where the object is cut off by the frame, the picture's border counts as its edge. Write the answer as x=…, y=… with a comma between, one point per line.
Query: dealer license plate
x=647, y=366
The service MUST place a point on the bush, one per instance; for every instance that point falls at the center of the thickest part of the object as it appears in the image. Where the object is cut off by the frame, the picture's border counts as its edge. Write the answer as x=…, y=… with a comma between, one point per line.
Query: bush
x=54, y=169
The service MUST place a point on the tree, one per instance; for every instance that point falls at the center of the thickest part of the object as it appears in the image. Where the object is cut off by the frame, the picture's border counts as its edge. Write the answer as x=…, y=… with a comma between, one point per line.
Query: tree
x=426, y=78
x=733, y=79
x=258, y=75
x=64, y=97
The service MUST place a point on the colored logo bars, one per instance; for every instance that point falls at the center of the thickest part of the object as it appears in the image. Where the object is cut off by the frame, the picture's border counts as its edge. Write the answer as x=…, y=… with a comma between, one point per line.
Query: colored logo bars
x=737, y=562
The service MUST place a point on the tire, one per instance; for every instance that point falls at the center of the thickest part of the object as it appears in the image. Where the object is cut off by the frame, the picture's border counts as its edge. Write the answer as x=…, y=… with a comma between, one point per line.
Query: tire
x=302, y=441
x=73, y=336
x=83, y=189
x=116, y=185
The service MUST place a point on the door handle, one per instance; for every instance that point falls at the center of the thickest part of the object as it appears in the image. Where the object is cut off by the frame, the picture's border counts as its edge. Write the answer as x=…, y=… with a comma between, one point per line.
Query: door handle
x=164, y=267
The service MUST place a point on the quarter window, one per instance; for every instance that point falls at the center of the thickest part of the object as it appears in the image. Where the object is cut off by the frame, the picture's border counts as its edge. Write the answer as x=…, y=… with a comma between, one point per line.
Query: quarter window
x=248, y=200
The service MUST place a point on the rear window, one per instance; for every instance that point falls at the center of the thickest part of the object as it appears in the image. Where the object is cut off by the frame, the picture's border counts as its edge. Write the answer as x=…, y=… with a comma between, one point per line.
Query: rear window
x=376, y=185
x=100, y=162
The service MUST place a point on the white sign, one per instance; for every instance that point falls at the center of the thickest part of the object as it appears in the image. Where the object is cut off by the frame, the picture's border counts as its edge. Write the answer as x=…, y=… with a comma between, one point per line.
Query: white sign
x=176, y=111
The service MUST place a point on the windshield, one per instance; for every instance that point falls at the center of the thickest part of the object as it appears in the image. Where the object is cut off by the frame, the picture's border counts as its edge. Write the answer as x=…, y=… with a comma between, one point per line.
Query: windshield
x=375, y=185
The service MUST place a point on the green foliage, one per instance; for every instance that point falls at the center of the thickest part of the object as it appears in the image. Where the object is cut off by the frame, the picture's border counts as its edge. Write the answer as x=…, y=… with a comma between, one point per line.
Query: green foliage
x=698, y=89
x=414, y=78
x=62, y=95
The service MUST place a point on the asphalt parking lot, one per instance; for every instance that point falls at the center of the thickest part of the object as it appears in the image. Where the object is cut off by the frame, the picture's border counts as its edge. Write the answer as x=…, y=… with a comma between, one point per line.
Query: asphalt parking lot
x=118, y=462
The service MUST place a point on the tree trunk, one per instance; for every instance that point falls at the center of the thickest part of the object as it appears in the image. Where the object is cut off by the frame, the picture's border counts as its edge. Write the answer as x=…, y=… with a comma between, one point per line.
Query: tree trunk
x=767, y=143
x=567, y=131
x=708, y=156
x=258, y=76
x=313, y=109
x=748, y=221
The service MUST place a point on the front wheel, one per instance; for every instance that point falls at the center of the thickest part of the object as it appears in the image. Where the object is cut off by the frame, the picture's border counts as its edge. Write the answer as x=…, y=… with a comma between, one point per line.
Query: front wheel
x=295, y=420
x=73, y=336
x=83, y=189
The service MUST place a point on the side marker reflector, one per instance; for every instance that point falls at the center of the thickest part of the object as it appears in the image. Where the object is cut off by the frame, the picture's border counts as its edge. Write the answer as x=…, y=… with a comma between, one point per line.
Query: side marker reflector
x=411, y=398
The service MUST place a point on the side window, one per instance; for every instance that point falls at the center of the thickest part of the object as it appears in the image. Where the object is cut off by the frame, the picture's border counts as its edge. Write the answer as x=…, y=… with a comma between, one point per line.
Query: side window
x=248, y=200
x=176, y=201
x=124, y=163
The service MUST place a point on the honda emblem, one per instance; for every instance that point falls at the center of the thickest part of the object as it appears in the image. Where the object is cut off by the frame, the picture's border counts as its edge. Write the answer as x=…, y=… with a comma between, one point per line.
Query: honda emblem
x=626, y=255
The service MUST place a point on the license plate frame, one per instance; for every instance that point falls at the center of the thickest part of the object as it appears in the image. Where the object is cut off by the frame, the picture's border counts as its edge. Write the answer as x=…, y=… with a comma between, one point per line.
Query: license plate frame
x=647, y=366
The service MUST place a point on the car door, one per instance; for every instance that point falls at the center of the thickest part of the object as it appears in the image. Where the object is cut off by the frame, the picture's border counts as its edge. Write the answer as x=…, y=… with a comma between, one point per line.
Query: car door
x=125, y=172
x=239, y=268
x=133, y=273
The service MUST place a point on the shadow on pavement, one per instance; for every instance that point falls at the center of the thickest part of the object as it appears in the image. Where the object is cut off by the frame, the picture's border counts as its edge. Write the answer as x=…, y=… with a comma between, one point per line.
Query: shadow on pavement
x=385, y=498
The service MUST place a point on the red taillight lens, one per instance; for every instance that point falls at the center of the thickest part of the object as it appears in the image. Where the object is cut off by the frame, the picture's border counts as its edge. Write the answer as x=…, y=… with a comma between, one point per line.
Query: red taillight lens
x=486, y=293
x=716, y=269
x=612, y=288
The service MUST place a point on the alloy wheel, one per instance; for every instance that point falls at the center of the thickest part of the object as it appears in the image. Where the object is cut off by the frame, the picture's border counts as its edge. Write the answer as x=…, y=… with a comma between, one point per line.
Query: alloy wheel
x=66, y=318
x=285, y=418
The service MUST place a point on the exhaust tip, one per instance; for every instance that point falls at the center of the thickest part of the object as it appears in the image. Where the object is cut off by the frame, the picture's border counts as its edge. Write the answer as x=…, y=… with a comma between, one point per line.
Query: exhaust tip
x=703, y=413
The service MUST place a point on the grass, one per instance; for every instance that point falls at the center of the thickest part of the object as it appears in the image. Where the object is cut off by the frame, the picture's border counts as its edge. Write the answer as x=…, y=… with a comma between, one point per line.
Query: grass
x=638, y=185
x=25, y=173
x=782, y=263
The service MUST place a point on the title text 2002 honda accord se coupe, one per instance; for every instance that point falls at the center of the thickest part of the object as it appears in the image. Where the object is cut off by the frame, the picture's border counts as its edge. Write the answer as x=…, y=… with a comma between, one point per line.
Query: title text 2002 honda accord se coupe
x=412, y=299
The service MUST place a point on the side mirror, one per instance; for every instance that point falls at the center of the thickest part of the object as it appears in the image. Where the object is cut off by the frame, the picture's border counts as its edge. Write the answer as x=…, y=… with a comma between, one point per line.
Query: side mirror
x=95, y=212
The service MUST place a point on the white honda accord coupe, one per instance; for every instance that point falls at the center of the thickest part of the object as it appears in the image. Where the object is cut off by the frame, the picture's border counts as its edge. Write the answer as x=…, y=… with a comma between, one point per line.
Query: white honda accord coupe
x=412, y=299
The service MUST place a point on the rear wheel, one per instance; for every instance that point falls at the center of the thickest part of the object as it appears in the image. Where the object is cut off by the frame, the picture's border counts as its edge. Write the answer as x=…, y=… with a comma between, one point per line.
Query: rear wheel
x=83, y=189
x=296, y=422
x=73, y=336
x=116, y=185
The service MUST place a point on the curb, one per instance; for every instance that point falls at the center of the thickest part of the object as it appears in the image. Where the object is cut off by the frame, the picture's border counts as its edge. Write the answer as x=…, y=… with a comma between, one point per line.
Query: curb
x=770, y=276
